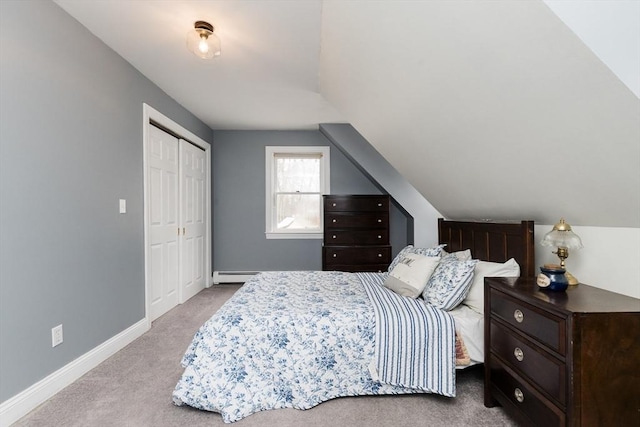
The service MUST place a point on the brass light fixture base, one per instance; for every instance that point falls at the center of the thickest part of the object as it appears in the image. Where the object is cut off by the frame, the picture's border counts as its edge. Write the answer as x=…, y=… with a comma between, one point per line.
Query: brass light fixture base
x=571, y=279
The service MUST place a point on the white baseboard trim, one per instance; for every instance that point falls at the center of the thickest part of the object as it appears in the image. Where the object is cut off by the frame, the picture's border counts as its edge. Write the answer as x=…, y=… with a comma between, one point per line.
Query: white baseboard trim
x=13, y=409
x=232, y=276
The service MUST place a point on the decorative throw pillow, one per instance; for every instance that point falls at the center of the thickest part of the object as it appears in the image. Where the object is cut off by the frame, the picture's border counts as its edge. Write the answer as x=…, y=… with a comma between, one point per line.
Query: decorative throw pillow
x=460, y=255
x=430, y=252
x=475, y=298
x=410, y=275
x=450, y=283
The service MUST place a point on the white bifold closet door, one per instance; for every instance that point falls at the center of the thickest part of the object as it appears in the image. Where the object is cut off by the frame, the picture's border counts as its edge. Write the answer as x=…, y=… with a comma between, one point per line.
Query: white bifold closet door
x=177, y=185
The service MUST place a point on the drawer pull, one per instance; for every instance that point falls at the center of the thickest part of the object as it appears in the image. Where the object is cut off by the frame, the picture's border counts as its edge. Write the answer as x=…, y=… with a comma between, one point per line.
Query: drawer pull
x=380, y=205
x=518, y=315
x=379, y=220
x=333, y=237
x=519, y=354
x=334, y=204
x=519, y=395
x=379, y=237
x=334, y=220
x=379, y=255
x=335, y=255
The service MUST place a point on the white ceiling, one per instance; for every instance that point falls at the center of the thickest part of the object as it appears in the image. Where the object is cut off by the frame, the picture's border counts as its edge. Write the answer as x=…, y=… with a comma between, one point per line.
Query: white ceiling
x=501, y=91
x=266, y=77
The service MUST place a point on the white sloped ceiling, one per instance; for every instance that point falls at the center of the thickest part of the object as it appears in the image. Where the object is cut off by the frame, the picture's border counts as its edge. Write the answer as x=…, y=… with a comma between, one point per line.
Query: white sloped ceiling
x=490, y=109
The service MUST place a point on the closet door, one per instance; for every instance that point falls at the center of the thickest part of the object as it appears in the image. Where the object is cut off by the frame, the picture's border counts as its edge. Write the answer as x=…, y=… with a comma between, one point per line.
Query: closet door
x=193, y=219
x=163, y=251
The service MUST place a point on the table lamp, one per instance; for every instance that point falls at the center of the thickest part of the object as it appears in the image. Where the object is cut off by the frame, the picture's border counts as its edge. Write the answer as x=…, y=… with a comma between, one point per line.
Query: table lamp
x=564, y=239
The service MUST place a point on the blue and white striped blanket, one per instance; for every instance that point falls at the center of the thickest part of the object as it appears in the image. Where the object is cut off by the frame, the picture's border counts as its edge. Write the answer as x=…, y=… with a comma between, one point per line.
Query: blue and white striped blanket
x=415, y=342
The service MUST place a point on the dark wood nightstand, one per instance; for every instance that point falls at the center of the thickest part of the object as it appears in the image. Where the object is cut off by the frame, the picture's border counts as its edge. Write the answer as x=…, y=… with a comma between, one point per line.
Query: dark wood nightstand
x=562, y=358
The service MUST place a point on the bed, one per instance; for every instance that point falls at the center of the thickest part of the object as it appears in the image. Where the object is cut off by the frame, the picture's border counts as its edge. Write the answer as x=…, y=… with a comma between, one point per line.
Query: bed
x=296, y=339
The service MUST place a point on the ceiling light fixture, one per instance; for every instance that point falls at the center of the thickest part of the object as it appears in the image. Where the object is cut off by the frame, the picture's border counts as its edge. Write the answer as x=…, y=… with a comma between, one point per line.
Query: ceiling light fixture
x=202, y=42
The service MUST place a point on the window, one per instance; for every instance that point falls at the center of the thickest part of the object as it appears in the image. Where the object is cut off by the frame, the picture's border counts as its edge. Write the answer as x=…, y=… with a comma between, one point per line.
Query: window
x=297, y=177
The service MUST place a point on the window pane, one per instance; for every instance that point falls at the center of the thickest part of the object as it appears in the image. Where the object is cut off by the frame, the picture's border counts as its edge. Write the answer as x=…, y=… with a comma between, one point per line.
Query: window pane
x=297, y=174
x=298, y=211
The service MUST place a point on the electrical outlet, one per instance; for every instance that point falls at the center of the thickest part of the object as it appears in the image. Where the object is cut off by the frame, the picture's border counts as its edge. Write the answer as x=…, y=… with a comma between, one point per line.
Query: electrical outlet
x=56, y=336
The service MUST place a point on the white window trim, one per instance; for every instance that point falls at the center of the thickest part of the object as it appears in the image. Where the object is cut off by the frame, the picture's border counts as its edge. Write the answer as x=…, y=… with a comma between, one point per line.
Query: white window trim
x=325, y=179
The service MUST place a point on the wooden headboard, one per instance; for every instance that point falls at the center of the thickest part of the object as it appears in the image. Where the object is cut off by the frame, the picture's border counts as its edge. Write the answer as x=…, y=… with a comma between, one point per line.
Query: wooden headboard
x=491, y=241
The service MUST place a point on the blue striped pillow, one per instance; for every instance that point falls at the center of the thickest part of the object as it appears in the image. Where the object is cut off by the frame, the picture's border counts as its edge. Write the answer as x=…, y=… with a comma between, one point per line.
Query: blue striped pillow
x=450, y=283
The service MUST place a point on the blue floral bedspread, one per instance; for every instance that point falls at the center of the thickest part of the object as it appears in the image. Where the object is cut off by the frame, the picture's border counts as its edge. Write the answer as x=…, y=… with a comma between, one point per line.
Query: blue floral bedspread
x=283, y=340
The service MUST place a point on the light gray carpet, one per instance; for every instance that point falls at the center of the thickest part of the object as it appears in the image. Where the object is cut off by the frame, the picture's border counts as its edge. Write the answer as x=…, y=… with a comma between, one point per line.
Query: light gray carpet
x=134, y=386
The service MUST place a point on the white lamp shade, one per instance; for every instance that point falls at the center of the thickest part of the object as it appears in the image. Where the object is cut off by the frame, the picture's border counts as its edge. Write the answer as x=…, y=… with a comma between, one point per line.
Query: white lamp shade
x=562, y=236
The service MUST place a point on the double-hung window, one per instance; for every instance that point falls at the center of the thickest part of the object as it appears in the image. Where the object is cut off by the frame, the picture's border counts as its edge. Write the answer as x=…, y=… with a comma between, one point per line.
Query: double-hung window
x=297, y=177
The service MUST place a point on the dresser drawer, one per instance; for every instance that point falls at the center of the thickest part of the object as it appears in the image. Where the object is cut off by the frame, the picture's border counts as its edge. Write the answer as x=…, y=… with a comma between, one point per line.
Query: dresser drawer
x=335, y=255
x=356, y=237
x=532, y=362
x=373, y=268
x=548, y=329
x=356, y=220
x=354, y=203
x=522, y=397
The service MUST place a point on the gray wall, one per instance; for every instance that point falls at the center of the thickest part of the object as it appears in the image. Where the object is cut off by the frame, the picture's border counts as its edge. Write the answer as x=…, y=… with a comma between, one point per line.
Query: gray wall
x=70, y=147
x=238, y=173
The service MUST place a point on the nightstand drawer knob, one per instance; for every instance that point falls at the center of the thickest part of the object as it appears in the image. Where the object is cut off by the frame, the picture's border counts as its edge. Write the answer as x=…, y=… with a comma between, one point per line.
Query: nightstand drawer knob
x=334, y=236
x=379, y=237
x=334, y=204
x=518, y=315
x=335, y=255
x=379, y=255
x=519, y=395
x=519, y=354
x=379, y=205
x=334, y=220
x=379, y=220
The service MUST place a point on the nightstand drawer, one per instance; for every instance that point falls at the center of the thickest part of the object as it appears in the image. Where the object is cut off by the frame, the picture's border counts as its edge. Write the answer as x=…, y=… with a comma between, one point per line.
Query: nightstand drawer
x=528, y=360
x=539, y=325
x=356, y=237
x=524, y=398
x=356, y=220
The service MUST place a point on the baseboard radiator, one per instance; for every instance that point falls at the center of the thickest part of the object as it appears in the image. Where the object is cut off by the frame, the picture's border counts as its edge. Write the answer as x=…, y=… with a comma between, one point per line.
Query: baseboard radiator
x=232, y=276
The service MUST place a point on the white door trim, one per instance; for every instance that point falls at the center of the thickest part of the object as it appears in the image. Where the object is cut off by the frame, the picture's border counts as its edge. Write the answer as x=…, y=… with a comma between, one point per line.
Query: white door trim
x=149, y=114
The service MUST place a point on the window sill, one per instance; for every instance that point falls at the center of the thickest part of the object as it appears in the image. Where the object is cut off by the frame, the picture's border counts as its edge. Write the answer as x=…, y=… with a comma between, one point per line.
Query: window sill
x=271, y=235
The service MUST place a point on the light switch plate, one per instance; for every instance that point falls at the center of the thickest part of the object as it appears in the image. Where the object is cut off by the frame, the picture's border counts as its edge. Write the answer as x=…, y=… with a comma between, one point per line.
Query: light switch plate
x=123, y=206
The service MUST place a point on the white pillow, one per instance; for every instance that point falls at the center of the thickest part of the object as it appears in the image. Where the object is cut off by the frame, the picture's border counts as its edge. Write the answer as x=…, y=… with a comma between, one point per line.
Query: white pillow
x=450, y=283
x=411, y=274
x=410, y=249
x=460, y=255
x=475, y=298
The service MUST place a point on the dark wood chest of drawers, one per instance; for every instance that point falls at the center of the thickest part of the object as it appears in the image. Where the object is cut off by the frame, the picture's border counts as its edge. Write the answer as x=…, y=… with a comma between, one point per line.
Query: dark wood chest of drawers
x=562, y=358
x=356, y=233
